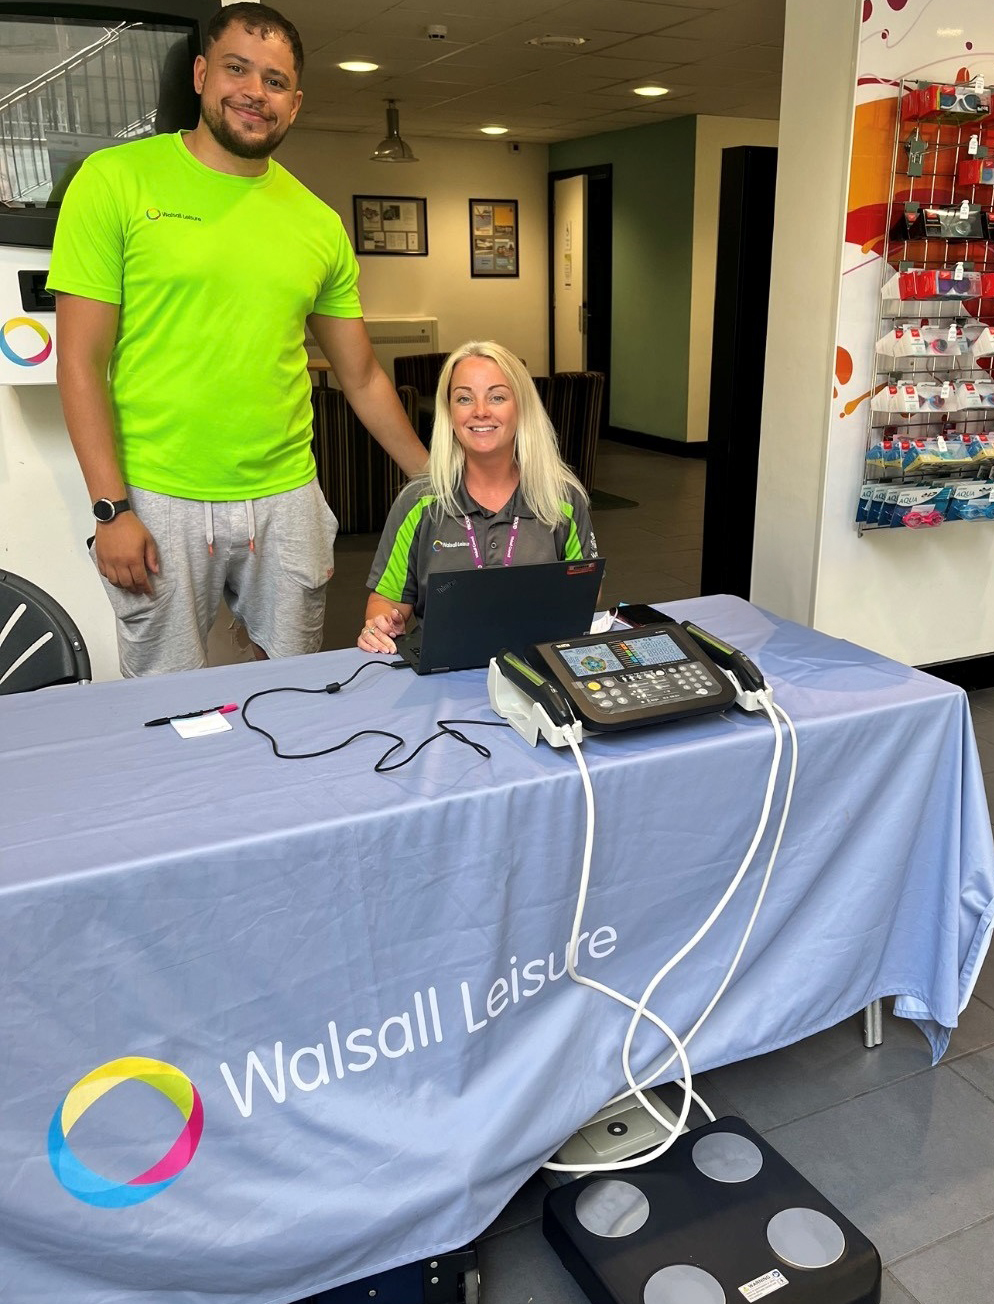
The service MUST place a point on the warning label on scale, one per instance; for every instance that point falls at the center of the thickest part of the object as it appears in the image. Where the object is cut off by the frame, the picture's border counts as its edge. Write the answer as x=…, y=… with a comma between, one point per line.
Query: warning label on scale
x=764, y=1285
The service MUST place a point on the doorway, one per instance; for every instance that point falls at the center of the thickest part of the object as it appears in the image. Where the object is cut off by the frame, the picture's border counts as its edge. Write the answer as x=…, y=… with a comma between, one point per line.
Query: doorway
x=580, y=208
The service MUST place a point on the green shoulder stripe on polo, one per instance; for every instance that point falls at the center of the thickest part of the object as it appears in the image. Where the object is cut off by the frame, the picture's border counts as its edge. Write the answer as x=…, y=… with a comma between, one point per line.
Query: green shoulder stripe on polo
x=395, y=573
x=573, y=550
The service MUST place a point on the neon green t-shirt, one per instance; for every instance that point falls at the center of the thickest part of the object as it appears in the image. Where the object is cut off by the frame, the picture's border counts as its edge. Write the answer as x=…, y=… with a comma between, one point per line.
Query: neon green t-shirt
x=215, y=275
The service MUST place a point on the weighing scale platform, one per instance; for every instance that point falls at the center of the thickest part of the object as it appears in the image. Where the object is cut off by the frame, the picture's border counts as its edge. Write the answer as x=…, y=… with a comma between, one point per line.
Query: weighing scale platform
x=720, y=1217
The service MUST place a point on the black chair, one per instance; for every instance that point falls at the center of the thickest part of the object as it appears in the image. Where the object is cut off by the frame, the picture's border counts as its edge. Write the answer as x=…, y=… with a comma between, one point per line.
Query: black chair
x=421, y=371
x=574, y=401
x=356, y=476
x=39, y=644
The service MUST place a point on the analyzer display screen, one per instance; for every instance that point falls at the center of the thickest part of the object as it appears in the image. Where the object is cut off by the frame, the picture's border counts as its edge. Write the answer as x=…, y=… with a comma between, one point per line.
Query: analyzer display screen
x=612, y=657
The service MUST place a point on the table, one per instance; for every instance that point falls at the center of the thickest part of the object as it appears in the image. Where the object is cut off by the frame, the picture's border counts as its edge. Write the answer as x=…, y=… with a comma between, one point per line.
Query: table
x=326, y=960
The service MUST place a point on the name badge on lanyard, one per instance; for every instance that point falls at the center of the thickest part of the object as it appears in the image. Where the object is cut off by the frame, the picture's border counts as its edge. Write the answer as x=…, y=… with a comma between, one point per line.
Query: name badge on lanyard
x=474, y=546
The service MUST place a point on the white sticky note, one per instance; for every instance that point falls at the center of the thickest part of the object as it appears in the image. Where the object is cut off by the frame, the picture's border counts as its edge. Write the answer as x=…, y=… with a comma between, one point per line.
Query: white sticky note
x=211, y=723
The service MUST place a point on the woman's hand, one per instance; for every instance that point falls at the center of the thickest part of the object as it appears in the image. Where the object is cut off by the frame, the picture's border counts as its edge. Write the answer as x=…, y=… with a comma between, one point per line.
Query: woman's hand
x=379, y=631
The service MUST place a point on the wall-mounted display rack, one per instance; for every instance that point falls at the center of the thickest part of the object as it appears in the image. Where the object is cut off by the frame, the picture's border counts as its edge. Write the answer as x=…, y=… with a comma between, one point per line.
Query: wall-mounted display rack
x=929, y=454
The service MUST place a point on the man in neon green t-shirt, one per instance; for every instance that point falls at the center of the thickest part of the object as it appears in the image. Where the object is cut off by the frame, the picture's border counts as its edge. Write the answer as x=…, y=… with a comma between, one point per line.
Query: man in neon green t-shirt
x=185, y=268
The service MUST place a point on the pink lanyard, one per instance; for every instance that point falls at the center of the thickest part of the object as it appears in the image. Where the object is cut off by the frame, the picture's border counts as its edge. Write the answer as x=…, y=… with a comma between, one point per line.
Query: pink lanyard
x=474, y=547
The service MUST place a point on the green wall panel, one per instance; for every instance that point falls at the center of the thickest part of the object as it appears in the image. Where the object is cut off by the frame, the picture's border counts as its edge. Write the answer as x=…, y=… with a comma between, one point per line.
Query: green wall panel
x=653, y=196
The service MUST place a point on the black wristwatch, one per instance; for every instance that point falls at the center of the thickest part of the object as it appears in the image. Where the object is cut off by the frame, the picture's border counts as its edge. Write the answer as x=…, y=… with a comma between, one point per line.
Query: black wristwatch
x=105, y=510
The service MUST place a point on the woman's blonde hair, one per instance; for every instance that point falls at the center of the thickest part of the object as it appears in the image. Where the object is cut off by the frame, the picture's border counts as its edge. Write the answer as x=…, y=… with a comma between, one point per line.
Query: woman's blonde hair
x=545, y=478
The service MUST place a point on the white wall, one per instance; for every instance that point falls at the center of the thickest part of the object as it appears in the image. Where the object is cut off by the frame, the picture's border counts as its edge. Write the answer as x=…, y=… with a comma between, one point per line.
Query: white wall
x=513, y=310
x=920, y=596
x=713, y=135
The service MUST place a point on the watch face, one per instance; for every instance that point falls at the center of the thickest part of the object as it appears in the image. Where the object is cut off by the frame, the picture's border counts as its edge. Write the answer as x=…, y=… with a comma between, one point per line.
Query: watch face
x=104, y=509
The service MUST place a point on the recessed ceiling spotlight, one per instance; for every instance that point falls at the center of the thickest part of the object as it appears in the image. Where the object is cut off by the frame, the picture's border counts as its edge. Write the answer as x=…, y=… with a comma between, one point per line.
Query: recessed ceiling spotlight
x=358, y=65
x=494, y=131
x=557, y=42
x=652, y=92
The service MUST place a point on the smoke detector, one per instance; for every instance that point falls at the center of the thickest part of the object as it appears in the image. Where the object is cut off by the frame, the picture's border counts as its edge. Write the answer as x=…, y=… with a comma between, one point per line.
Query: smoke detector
x=550, y=42
x=436, y=32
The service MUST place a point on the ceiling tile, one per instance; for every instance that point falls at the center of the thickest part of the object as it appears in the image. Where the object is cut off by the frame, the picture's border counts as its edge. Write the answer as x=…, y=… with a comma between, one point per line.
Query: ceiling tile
x=619, y=15
x=749, y=21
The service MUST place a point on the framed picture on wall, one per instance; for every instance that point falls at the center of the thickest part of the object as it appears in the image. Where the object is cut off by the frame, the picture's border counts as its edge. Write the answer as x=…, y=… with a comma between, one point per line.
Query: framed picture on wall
x=493, y=237
x=390, y=224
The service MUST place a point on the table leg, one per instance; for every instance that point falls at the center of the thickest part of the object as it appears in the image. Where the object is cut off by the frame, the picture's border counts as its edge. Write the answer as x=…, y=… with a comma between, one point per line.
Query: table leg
x=873, y=1024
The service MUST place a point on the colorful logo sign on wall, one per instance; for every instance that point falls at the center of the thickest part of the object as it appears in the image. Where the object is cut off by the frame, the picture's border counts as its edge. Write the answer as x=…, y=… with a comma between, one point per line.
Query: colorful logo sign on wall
x=23, y=324
x=91, y=1187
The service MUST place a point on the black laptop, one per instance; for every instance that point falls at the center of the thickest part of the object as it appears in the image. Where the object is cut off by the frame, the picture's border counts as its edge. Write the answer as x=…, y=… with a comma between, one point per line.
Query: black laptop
x=471, y=614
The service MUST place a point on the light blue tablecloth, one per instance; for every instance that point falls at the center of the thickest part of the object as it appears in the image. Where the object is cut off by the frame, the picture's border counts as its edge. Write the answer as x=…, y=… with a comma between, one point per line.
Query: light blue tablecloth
x=327, y=940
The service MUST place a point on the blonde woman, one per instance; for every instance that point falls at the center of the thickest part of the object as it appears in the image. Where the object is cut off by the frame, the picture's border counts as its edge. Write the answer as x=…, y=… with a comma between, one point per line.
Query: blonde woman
x=497, y=493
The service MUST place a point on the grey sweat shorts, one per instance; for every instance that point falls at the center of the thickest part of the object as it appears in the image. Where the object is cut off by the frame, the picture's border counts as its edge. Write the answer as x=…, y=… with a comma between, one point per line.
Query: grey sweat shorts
x=269, y=558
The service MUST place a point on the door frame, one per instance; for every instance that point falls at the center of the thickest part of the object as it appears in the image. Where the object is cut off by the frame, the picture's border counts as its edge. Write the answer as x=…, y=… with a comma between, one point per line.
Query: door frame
x=596, y=235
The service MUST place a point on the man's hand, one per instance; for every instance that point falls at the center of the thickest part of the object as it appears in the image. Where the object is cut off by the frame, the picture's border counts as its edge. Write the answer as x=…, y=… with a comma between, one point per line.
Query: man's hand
x=126, y=552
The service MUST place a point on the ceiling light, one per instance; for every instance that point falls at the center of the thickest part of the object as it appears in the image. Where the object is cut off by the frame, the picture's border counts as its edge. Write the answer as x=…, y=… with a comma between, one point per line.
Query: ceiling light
x=651, y=92
x=494, y=131
x=358, y=65
x=557, y=42
x=391, y=148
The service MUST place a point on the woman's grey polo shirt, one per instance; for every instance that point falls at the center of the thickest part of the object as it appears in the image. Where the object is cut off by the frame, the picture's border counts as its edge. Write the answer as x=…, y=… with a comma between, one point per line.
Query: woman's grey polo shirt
x=417, y=539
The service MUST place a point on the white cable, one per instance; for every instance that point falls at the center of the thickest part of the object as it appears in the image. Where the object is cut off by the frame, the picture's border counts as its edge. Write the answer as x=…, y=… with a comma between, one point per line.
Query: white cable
x=639, y=1008
x=618, y=996
x=788, y=797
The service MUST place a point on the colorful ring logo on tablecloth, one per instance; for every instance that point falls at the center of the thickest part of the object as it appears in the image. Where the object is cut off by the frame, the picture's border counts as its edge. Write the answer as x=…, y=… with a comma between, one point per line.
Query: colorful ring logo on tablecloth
x=90, y=1187
x=7, y=349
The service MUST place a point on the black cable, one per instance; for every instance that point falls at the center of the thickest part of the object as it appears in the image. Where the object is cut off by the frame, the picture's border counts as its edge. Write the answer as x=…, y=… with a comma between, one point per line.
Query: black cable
x=380, y=767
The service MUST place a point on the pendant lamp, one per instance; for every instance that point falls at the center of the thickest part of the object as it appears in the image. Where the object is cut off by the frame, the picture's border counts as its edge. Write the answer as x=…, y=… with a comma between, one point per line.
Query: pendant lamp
x=391, y=148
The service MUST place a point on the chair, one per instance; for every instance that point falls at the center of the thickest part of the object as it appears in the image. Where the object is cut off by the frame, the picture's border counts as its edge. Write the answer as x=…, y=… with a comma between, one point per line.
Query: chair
x=420, y=370
x=356, y=476
x=575, y=402
x=39, y=644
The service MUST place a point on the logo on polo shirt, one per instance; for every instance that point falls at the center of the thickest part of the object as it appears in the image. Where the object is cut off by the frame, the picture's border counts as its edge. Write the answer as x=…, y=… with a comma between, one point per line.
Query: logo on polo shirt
x=111, y=1193
x=439, y=544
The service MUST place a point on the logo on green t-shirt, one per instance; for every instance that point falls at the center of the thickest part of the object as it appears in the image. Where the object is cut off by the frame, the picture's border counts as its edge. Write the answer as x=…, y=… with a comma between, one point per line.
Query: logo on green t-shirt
x=153, y=215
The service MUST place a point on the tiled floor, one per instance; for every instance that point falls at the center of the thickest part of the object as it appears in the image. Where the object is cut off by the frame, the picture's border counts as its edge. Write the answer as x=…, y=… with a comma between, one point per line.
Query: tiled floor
x=906, y=1151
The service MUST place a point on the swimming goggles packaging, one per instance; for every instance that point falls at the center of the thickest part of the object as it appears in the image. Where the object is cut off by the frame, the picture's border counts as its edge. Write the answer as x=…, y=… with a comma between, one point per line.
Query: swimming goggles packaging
x=947, y=103
x=910, y=340
x=974, y=394
x=865, y=498
x=953, y=450
x=918, y=508
x=920, y=455
x=888, y=507
x=903, y=342
x=876, y=503
x=983, y=345
x=938, y=283
x=978, y=447
x=964, y=221
x=885, y=455
x=971, y=501
x=936, y=396
x=896, y=397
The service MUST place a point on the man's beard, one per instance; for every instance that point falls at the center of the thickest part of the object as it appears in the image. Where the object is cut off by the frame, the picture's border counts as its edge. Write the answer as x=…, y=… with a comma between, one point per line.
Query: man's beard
x=254, y=148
